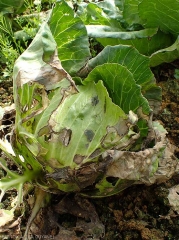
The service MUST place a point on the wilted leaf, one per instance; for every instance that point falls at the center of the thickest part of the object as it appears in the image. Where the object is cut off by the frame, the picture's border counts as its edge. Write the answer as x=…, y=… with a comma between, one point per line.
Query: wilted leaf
x=6, y=216
x=42, y=198
x=173, y=198
x=155, y=164
x=10, y=219
x=151, y=165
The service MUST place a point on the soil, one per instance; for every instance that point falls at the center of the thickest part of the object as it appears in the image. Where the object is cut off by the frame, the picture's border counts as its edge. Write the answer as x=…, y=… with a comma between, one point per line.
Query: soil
x=169, y=114
x=6, y=93
x=138, y=212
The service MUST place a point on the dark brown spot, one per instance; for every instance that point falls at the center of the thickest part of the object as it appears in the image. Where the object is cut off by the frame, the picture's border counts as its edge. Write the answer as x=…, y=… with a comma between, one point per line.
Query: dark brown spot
x=89, y=135
x=105, y=105
x=94, y=101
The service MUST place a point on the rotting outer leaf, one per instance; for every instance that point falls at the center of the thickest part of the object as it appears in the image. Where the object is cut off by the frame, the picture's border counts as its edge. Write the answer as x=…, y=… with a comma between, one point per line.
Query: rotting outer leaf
x=37, y=71
x=40, y=63
x=6, y=216
x=151, y=165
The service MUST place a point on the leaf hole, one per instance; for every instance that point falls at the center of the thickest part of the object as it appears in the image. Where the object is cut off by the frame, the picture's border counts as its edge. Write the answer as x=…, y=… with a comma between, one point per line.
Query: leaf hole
x=47, y=137
x=112, y=180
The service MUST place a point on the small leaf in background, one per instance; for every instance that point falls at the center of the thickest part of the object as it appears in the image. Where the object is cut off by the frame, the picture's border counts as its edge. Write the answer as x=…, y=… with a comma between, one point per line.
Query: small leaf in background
x=145, y=44
x=110, y=8
x=163, y=14
x=71, y=37
x=131, y=12
x=10, y=5
x=103, y=31
x=167, y=55
x=101, y=13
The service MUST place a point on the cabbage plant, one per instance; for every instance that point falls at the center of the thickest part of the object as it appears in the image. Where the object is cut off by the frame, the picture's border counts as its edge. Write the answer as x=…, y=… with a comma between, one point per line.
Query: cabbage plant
x=83, y=124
